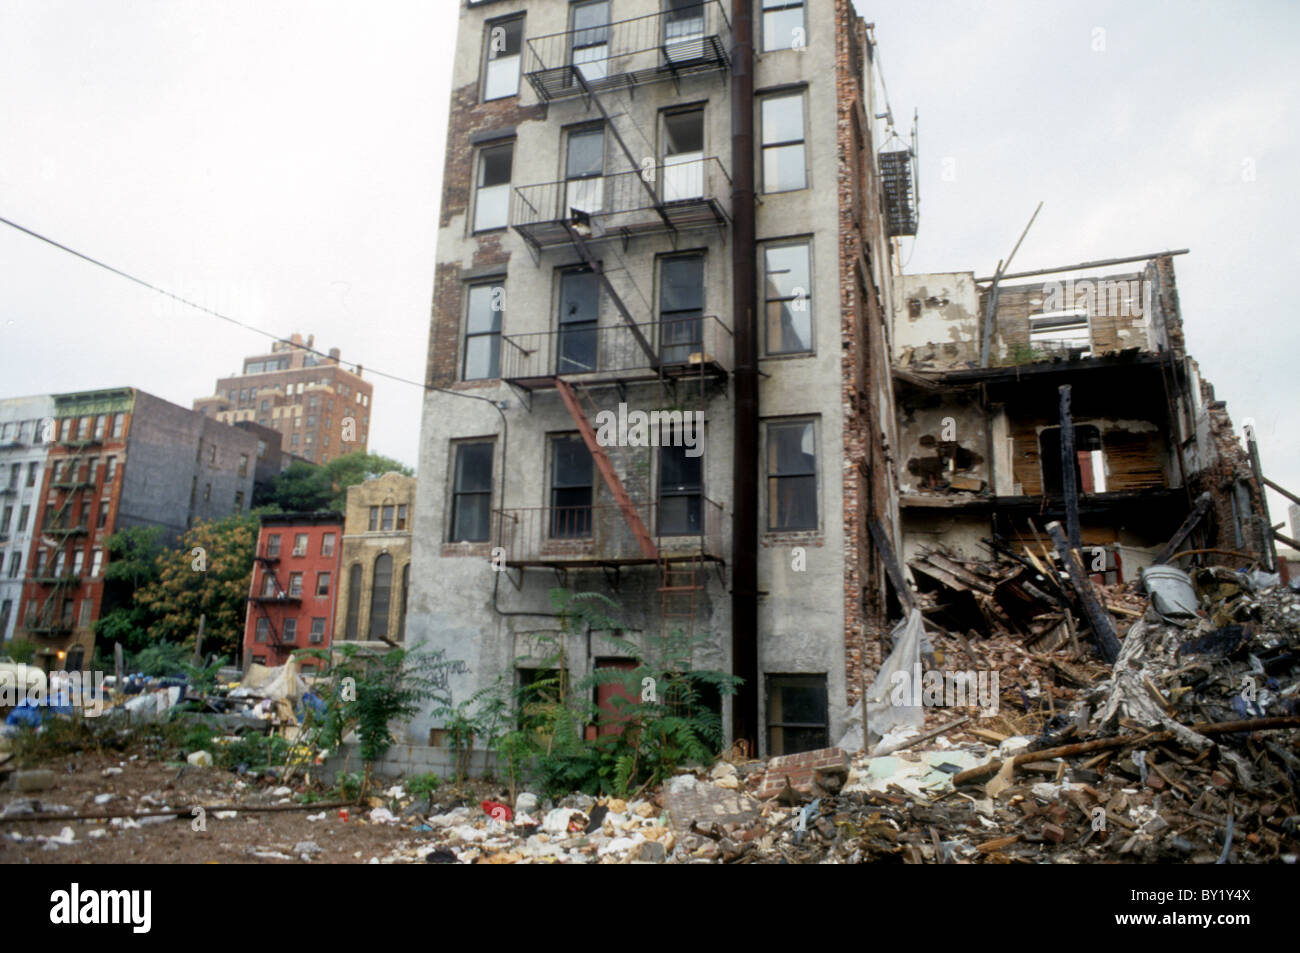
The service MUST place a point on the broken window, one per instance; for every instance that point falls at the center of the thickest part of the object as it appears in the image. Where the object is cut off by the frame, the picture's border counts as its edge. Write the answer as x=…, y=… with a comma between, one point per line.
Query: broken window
x=483, y=331
x=579, y=317
x=1060, y=332
x=505, y=40
x=796, y=714
x=783, y=143
x=572, y=488
x=791, y=476
x=787, y=294
x=492, y=198
x=681, y=307
x=681, y=485
x=471, y=493
x=683, y=155
x=1090, y=463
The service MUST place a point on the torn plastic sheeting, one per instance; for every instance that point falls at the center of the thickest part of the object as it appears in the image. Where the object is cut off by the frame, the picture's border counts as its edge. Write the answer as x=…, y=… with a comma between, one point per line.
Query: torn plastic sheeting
x=1171, y=592
x=883, y=715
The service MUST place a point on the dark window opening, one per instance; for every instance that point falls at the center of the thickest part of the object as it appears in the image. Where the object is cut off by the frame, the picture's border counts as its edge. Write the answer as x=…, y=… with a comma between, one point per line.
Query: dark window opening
x=1089, y=466
x=579, y=316
x=796, y=714
x=681, y=307
x=472, y=493
x=572, y=488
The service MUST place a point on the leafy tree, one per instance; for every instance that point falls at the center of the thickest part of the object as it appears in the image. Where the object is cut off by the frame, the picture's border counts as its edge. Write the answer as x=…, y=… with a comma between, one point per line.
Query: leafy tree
x=306, y=487
x=213, y=582
x=133, y=563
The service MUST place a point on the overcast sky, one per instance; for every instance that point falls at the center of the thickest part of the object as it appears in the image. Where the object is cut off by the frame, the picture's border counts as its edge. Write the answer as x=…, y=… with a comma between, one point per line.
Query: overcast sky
x=280, y=162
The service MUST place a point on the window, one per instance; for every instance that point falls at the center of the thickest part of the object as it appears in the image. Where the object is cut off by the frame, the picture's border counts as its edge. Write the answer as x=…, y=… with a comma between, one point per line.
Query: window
x=212, y=454
x=78, y=561
x=579, y=319
x=295, y=584
x=401, y=516
x=6, y=610
x=783, y=27
x=681, y=305
x=471, y=493
x=787, y=298
x=239, y=501
x=584, y=168
x=110, y=470
x=354, y=601
x=505, y=40
x=4, y=522
x=263, y=630
x=118, y=421
x=243, y=464
x=15, y=471
x=85, y=514
x=317, y=630
x=322, y=584
x=386, y=519
x=269, y=586
x=406, y=588
x=290, y=630
x=681, y=484
x=492, y=198
x=273, y=546
x=796, y=713
x=684, y=30
x=483, y=331
x=96, y=562
x=23, y=515
x=15, y=563
x=69, y=608
x=1060, y=332
x=380, y=594
x=102, y=520
x=311, y=421
x=374, y=518
x=783, y=143
x=590, y=50
x=300, y=544
x=791, y=476
x=1090, y=463
x=87, y=606
x=683, y=155
x=31, y=473
x=91, y=466
x=327, y=544
x=572, y=489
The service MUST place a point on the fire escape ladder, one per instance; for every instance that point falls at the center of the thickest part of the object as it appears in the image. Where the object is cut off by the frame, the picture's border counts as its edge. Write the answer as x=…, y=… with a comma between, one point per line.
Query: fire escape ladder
x=58, y=522
x=607, y=472
x=591, y=262
x=593, y=97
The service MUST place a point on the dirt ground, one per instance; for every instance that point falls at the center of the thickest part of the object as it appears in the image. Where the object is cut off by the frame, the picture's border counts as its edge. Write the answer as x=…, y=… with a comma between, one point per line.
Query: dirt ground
x=153, y=785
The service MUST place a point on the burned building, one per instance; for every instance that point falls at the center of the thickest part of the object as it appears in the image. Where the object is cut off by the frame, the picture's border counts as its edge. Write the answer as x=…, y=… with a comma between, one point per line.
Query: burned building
x=1016, y=397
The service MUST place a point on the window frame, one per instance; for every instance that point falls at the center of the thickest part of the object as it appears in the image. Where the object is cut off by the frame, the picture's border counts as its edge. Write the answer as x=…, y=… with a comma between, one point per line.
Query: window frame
x=494, y=331
x=480, y=168
x=456, y=495
x=581, y=529
x=776, y=680
x=780, y=6
x=801, y=94
x=806, y=243
x=769, y=426
x=488, y=57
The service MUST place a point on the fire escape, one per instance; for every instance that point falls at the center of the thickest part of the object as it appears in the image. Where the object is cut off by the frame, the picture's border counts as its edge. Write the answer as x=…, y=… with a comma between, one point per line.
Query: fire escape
x=279, y=597
x=585, y=218
x=61, y=578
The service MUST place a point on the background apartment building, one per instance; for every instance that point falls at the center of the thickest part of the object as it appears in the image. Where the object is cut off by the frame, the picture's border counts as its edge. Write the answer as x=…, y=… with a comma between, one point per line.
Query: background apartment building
x=26, y=429
x=119, y=458
x=292, y=595
x=643, y=206
x=319, y=407
x=375, y=567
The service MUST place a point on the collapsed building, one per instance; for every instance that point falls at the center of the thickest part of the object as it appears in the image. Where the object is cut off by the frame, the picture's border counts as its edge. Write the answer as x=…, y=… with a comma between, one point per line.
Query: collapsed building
x=1018, y=401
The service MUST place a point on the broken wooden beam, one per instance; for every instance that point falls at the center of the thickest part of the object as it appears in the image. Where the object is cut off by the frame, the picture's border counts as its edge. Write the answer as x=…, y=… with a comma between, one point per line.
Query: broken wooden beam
x=892, y=567
x=1103, y=626
x=1198, y=511
x=1069, y=468
x=1122, y=741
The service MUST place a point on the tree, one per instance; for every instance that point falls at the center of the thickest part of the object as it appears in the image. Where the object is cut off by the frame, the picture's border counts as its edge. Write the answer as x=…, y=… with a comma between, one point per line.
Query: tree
x=305, y=487
x=133, y=563
x=209, y=575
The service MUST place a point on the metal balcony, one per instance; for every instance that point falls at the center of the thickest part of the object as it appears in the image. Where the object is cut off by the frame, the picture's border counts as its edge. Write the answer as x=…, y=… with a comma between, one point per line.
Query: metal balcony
x=690, y=39
x=599, y=535
x=611, y=354
x=674, y=196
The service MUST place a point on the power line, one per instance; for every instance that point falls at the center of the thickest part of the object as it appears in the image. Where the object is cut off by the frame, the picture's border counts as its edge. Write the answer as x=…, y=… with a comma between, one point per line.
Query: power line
x=216, y=314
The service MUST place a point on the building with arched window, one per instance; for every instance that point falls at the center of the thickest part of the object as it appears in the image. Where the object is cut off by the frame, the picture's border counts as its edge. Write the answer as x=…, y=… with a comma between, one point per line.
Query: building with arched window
x=376, y=560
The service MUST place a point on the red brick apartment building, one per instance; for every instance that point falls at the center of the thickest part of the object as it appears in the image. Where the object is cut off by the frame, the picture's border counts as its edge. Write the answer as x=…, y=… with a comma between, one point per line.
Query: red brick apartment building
x=291, y=599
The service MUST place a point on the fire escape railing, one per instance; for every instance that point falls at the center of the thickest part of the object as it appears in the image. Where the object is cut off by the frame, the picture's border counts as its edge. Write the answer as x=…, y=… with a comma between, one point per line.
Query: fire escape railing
x=600, y=533
x=685, y=40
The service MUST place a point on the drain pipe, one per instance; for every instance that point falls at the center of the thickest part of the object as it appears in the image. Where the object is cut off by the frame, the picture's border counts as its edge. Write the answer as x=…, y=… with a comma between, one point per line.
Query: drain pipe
x=744, y=520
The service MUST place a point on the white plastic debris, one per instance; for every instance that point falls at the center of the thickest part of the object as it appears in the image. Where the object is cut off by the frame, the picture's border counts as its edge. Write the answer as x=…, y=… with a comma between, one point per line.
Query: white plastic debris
x=200, y=759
